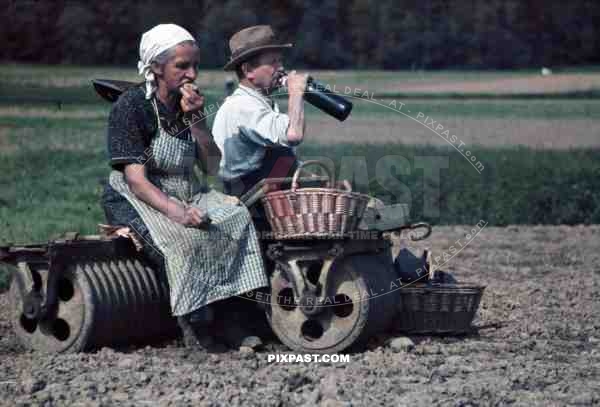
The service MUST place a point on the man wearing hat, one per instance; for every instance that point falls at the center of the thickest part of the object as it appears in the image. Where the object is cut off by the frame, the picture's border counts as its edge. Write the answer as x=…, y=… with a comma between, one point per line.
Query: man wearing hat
x=255, y=139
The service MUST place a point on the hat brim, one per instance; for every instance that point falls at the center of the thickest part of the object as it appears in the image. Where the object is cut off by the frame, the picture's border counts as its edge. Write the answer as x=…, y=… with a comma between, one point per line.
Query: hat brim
x=230, y=66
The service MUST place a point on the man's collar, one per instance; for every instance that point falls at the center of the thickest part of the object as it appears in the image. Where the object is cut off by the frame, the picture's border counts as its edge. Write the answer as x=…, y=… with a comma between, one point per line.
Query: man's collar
x=256, y=93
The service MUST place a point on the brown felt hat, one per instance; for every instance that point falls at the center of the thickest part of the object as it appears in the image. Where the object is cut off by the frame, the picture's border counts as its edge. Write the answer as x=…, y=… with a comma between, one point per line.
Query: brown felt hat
x=250, y=41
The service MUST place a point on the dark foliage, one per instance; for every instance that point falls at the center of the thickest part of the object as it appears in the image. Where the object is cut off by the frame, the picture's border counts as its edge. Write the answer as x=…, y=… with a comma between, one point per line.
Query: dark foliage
x=383, y=34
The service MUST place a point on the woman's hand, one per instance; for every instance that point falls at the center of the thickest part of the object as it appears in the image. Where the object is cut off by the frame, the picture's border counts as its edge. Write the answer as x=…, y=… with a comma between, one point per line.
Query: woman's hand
x=190, y=216
x=231, y=200
x=143, y=189
x=191, y=100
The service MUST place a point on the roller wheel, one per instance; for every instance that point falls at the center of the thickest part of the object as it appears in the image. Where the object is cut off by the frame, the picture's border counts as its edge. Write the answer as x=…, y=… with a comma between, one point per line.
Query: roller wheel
x=100, y=303
x=349, y=316
x=69, y=330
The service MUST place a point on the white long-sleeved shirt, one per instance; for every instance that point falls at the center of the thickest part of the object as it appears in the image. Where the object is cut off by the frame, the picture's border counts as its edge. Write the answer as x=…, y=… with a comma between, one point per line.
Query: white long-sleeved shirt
x=246, y=125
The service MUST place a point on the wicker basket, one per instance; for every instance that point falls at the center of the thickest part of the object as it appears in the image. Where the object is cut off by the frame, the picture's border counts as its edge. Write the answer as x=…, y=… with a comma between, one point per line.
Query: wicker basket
x=314, y=212
x=438, y=309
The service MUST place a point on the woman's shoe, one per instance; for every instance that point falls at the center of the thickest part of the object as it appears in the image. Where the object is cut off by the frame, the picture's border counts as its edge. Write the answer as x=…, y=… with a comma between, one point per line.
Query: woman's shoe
x=235, y=336
x=232, y=325
x=192, y=338
x=202, y=317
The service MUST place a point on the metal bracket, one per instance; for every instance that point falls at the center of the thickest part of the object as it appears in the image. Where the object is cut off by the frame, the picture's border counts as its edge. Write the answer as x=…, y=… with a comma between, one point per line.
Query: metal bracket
x=421, y=225
x=32, y=298
x=41, y=302
x=389, y=217
x=289, y=256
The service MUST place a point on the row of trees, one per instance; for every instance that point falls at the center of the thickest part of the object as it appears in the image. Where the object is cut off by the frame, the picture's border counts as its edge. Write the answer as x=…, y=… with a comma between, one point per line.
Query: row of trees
x=384, y=34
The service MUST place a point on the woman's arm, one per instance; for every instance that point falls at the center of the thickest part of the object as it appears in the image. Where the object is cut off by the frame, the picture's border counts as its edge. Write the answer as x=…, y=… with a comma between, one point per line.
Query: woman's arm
x=208, y=152
x=144, y=190
x=192, y=104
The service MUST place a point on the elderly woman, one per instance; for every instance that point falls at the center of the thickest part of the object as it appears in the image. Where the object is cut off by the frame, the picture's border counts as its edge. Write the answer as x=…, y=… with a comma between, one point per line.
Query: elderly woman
x=206, y=240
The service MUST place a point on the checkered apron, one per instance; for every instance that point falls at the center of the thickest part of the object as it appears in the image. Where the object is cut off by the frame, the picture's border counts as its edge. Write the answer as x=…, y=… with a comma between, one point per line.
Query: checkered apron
x=202, y=265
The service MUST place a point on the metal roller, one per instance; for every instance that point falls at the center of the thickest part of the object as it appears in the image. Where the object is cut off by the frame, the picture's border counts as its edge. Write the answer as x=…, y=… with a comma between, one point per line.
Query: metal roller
x=359, y=306
x=99, y=303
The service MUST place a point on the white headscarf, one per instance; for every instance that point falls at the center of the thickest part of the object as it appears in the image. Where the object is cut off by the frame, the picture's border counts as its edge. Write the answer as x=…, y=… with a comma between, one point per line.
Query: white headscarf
x=153, y=43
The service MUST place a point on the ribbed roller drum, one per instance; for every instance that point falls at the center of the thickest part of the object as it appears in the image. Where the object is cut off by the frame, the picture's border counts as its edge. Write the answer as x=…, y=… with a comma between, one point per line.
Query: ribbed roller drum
x=100, y=303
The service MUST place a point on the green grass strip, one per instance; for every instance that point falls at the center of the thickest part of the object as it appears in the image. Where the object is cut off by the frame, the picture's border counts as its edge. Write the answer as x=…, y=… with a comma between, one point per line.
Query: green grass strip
x=47, y=193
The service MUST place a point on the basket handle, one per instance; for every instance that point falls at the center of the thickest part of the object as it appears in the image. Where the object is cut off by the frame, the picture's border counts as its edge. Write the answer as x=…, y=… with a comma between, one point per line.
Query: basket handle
x=311, y=162
x=346, y=184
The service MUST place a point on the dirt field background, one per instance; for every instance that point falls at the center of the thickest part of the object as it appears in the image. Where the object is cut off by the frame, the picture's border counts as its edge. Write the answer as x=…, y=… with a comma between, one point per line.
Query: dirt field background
x=539, y=322
x=538, y=344
x=380, y=82
x=558, y=83
x=494, y=132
